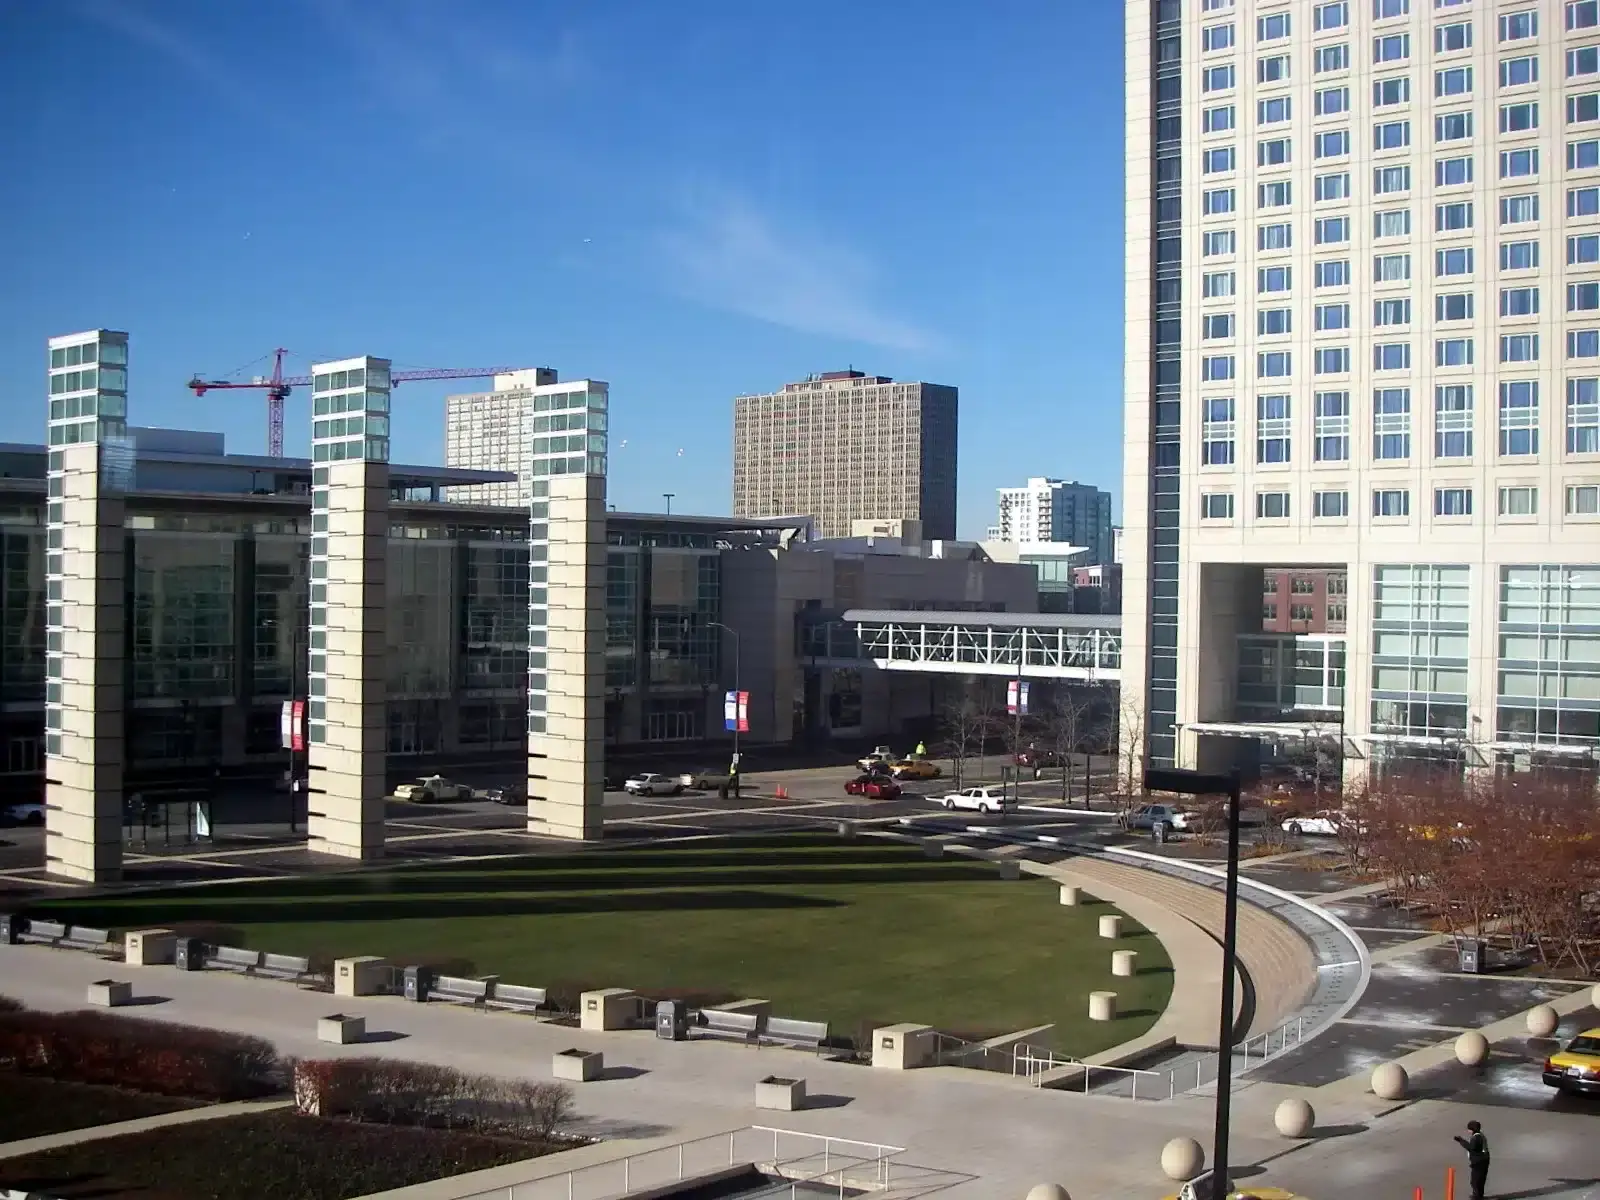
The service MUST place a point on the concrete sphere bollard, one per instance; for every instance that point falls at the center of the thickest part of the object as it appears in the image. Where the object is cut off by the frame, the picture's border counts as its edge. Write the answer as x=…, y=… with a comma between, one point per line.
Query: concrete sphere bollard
x=1594, y=996
x=1111, y=927
x=1472, y=1049
x=1182, y=1159
x=1071, y=897
x=1048, y=1191
x=1124, y=963
x=1294, y=1118
x=1542, y=1021
x=1390, y=1081
x=1102, y=1006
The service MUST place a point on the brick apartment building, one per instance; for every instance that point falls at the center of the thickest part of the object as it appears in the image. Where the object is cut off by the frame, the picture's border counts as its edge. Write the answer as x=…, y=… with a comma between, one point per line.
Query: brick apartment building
x=1304, y=600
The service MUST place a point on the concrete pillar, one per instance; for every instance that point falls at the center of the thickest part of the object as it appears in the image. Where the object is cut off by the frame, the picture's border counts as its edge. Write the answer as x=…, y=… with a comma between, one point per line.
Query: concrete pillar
x=90, y=467
x=347, y=710
x=567, y=615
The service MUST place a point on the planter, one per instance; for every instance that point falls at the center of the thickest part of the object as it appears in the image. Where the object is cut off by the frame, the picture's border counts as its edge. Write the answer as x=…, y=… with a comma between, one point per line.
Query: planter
x=149, y=947
x=782, y=1095
x=578, y=1066
x=341, y=1030
x=110, y=993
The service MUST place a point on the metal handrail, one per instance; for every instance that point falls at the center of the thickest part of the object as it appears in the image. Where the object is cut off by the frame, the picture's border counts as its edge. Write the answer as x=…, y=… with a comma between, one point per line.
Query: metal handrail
x=825, y=1159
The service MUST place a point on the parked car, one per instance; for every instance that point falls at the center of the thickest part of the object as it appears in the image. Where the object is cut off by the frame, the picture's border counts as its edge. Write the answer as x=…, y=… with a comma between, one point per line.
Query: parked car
x=880, y=755
x=1039, y=759
x=1576, y=1067
x=873, y=786
x=981, y=799
x=431, y=789
x=512, y=793
x=651, y=784
x=615, y=781
x=1326, y=823
x=1148, y=816
x=25, y=814
x=708, y=780
x=915, y=768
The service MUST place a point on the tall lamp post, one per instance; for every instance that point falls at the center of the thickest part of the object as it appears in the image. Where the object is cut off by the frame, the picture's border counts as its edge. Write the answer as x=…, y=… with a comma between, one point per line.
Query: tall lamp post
x=733, y=633
x=1198, y=783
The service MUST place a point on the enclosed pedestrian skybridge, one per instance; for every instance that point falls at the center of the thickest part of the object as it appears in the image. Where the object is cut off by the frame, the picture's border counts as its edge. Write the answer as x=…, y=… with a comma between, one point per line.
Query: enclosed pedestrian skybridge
x=1030, y=645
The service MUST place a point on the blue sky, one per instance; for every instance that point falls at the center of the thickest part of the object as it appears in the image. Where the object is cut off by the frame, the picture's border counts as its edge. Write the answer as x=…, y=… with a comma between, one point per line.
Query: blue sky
x=689, y=199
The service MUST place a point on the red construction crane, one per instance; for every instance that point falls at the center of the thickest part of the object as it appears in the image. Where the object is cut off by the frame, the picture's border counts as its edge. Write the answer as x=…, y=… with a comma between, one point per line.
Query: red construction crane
x=278, y=386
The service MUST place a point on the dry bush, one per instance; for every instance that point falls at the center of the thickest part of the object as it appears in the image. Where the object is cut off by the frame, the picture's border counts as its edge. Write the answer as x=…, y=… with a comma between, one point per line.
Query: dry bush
x=386, y=1092
x=147, y=1056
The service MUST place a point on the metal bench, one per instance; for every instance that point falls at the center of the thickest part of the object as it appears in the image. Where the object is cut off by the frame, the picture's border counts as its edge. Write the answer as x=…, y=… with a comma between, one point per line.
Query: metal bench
x=95, y=941
x=458, y=990
x=234, y=958
x=738, y=1026
x=48, y=932
x=516, y=997
x=285, y=966
x=803, y=1035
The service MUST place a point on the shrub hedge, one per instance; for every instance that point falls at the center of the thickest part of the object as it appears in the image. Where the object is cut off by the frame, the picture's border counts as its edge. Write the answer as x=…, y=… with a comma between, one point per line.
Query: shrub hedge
x=146, y=1056
x=386, y=1092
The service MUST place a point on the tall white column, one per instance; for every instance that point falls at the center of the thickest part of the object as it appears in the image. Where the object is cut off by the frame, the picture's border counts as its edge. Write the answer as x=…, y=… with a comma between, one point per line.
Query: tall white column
x=90, y=468
x=347, y=708
x=566, y=611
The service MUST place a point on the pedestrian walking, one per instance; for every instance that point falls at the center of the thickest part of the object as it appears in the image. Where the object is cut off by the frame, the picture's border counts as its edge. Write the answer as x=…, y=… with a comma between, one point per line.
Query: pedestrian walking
x=1477, y=1148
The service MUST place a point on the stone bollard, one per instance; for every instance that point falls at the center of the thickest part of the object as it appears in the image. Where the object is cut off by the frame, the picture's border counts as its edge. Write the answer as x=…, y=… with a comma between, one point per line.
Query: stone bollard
x=1390, y=1081
x=1111, y=927
x=1124, y=963
x=1472, y=1049
x=1071, y=897
x=1542, y=1021
x=1048, y=1191
x=1102, y=1006
x=1594, y=996
x=1182, y=1159
x=1010, y=868
x=1294, y=1118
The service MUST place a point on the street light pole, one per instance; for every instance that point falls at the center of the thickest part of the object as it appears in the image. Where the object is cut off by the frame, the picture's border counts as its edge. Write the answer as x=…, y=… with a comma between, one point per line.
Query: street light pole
x=734, y=633
x=668, y=497
x=1197, y=783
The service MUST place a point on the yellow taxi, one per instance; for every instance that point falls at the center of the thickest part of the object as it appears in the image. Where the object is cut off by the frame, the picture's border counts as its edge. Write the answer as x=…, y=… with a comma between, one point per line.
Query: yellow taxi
x=1576, y=1068
x=915, y=768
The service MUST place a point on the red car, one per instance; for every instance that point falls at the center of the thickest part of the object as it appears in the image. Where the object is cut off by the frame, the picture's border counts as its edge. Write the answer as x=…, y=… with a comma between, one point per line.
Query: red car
x=876, y=787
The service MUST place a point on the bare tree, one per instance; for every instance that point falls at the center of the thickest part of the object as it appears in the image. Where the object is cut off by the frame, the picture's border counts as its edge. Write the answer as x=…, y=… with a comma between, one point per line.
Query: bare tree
x=1064, y=730
x=968, y=722
x=1132, y=751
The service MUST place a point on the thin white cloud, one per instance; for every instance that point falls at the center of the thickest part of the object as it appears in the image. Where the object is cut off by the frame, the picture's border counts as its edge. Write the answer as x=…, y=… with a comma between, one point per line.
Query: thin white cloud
x=458, y=82
x=143, y=30
x=728, y=255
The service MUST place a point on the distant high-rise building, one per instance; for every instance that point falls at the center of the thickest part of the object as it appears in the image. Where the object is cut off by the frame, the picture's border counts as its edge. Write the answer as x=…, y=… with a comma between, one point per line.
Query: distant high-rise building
x=844, y=446
x=493, y=431
x=1052, y=510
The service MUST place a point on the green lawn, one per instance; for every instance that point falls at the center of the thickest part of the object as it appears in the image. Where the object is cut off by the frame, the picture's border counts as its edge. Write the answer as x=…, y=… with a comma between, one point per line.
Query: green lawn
x=852, y=932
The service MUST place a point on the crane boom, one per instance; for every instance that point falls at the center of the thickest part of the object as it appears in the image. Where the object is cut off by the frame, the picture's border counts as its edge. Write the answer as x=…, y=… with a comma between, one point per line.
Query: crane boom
x=280, y=385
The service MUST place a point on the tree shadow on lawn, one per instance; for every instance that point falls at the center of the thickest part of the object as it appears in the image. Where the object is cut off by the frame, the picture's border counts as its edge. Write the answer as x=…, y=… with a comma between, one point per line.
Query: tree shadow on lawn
x=229, y=922
x=438, y=894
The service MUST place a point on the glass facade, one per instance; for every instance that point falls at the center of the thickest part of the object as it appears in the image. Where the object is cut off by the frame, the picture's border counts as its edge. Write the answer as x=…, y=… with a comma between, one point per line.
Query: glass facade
x=1419, y=651
x=1548, y=690
x=183, y=589
x=1166, y=415
x=219, y=633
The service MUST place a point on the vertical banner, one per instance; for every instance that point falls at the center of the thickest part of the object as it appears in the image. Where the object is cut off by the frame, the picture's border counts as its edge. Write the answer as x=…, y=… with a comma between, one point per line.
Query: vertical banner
x=736, y=711
x=297, y=732
x=1017, y=698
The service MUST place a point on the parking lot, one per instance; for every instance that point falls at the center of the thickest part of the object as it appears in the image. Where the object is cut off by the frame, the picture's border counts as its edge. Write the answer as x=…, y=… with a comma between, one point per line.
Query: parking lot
x=254, y=830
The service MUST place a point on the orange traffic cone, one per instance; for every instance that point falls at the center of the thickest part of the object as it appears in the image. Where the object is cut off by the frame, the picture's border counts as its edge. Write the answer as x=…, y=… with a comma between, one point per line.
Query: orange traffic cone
x=781, y=792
